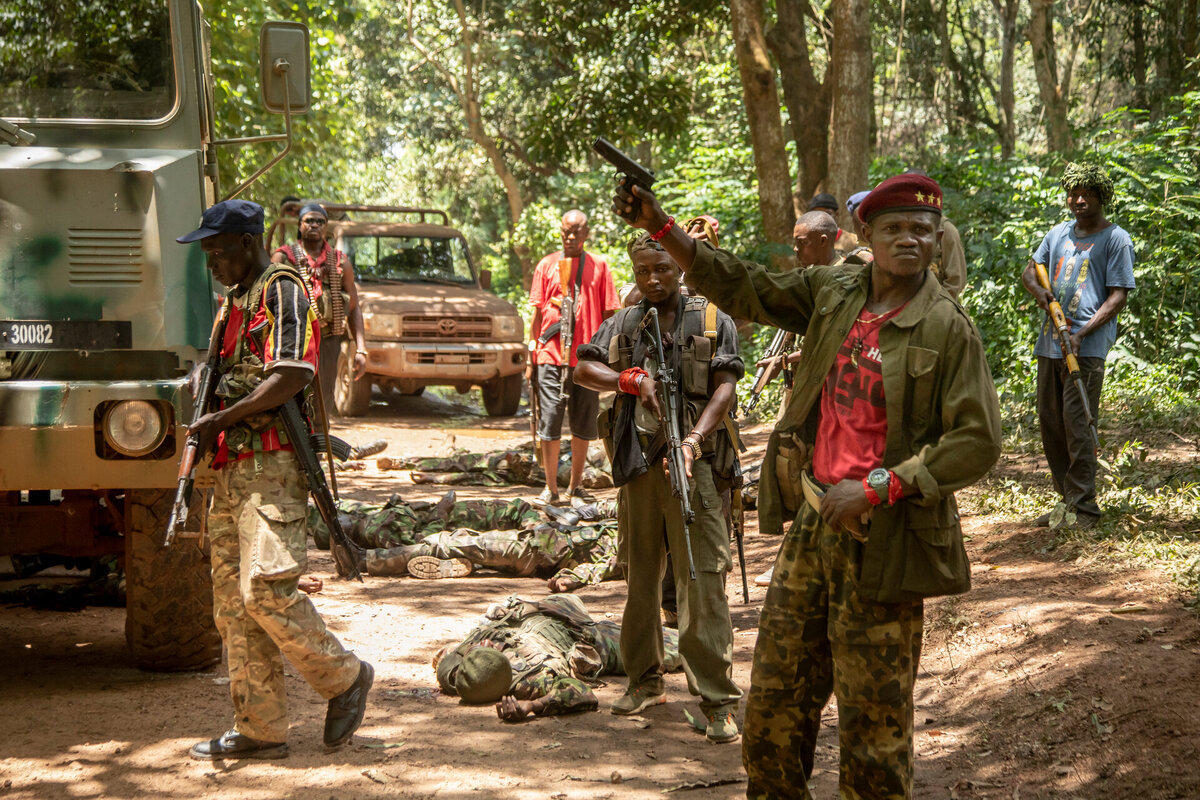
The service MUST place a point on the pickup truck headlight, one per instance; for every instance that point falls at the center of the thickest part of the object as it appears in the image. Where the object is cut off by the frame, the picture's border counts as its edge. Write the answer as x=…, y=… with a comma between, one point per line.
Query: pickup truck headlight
x=382, y=326
x=509, y=327
x=134, y=427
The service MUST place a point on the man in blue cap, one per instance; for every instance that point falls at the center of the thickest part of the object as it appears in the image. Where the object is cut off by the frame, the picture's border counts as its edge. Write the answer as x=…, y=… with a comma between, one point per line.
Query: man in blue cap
x=268, y=346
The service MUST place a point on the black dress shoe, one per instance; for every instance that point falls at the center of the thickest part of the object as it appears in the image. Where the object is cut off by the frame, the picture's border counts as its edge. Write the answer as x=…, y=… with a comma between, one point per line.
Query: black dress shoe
x=232, y=744
x=346, y=710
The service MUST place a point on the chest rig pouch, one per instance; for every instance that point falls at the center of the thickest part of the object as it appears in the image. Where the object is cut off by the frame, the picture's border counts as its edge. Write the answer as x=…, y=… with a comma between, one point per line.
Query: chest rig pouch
x=697, y=345
x=243, y=370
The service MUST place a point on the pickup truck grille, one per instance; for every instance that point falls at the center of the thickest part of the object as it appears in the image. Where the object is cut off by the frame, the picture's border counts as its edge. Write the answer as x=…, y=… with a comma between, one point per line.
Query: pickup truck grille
x=447, y=329
x=104, y=257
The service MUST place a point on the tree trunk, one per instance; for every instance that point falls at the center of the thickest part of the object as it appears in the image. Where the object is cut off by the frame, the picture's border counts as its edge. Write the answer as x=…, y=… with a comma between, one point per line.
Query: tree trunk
x=852, y=82
x=1055, y=95
x=766, y=125
x=807, y=98
x=1007, y=11
x=1139, y=56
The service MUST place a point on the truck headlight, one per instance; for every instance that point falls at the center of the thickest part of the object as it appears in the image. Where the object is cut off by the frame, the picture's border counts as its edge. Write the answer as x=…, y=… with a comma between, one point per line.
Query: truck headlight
x=134, y=427
x=381, y=326
x=507, y=327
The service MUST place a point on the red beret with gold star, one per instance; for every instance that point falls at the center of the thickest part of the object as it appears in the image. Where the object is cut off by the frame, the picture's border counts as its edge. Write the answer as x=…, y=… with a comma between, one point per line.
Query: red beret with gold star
x=907, y=192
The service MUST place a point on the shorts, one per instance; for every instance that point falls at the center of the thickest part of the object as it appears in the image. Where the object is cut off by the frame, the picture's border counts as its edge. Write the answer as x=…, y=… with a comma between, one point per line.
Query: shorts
x=581, y=405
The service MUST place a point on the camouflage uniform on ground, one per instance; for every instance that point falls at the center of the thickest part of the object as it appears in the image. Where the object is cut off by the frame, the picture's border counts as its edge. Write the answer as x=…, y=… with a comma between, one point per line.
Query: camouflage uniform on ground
x=584, y=555
x=397, y=522
x=555, y=648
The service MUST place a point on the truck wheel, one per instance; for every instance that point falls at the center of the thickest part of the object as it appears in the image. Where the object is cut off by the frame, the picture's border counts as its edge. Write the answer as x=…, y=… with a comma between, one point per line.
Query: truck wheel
x=168, y=591
x=502, y=396
x=351, y=397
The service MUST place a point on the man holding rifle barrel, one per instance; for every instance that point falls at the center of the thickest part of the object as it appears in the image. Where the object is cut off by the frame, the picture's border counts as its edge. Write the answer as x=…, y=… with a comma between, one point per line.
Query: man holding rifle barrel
x=674, y=363
x=1087, y=269
x=893, y=411
x=571, y=294
x=267, y=344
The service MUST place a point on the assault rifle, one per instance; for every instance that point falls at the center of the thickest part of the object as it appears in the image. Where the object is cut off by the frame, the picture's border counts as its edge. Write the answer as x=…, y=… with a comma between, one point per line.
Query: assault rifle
x=780, y=345
x=566, y=333
x=637, y=174
x=191, y=447
x=1062, y=332
x=665, y=377
x=346, y=553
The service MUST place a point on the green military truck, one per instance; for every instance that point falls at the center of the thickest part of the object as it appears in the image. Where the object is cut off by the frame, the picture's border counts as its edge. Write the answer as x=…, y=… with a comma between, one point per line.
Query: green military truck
x=107, y=153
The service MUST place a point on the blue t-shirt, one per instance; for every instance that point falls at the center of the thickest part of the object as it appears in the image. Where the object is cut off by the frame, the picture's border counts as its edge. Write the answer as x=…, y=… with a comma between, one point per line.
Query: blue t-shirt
x=1082, y=269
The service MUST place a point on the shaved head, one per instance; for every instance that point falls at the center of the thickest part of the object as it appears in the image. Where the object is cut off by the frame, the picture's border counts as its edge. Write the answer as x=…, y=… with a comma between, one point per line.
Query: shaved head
x=574, y=232
x=819, y=222
x=574, y=217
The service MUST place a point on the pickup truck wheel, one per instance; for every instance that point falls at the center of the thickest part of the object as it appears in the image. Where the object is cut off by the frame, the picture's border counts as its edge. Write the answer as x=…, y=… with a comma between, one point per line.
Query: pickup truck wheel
x=168, y=591
x=350, y=397
x=502, y=396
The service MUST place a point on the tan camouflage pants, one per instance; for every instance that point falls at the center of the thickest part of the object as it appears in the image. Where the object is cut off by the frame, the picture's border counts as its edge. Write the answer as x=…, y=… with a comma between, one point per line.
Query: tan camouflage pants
x=818, y=637
x=648, y=512
x=258, y=531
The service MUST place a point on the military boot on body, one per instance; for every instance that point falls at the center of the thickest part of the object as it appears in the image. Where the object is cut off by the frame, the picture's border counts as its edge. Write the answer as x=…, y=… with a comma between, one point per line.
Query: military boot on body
x=433, y=568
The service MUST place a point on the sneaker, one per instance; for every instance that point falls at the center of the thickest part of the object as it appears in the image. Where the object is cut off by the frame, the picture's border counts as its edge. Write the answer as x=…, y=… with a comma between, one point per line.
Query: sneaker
x=765, y=578
x=432, y=568
x=568, y=517
x=721, y=728
x=545, y=499
x=638, y=698
x=582, y=497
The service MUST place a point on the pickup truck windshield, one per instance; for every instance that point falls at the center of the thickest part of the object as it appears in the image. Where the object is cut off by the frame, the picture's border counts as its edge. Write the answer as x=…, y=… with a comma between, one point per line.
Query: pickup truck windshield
x=410, y=258
x=101, y=59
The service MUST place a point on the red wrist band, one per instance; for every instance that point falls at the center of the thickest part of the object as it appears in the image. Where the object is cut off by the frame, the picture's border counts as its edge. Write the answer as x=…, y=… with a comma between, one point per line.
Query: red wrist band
x=872, y=498
x=895, y=490
x=657, y=237
x=629, y=380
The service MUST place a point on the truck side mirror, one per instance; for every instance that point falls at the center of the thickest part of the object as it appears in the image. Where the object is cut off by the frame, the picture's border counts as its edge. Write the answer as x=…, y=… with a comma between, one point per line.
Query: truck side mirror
x=283, y=57
x=485, y=279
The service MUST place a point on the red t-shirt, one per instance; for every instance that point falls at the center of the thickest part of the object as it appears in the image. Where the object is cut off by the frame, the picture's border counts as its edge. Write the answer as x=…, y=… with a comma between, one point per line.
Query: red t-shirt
x=317, y=266
x=597, y=294
x=287, y=327
x=852, y=434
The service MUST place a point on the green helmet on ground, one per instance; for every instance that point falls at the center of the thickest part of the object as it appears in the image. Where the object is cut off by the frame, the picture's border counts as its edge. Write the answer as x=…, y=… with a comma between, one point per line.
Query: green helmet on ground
x=484, y=676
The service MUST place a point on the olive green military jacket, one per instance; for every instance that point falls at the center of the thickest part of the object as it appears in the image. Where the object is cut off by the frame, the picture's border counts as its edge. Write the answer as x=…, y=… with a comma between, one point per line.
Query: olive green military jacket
x=943, y=430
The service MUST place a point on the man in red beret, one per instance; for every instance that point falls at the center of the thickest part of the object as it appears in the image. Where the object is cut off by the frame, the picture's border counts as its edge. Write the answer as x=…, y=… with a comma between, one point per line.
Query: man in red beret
x=893, y=410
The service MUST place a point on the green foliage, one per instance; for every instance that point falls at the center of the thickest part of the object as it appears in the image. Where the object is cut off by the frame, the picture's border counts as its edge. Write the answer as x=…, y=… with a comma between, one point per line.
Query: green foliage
x=327, y=139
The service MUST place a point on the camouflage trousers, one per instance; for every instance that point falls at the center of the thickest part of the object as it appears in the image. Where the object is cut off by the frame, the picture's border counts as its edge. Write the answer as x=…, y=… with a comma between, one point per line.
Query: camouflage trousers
x=520, y=553
x=818, y=637
x=257, y=529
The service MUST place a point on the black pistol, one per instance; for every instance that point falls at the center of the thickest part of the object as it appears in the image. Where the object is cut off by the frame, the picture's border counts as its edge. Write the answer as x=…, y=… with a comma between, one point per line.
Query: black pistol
x=631, y=169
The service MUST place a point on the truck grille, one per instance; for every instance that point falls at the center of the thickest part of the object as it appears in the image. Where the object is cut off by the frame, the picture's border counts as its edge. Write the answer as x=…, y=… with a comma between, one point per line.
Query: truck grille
x=104, y=257
x=447, y=328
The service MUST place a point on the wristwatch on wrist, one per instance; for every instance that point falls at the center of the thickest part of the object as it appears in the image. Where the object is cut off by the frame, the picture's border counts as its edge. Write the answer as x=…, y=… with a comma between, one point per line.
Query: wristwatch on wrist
x=879, y=479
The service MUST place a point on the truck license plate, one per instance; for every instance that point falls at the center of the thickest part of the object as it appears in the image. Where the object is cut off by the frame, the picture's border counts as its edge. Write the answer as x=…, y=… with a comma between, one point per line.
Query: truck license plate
x=34, y=334
x=452, y=359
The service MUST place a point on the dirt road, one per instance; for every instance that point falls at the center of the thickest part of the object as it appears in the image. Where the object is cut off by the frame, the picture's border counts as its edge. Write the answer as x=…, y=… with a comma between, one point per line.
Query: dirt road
x=1031, y=685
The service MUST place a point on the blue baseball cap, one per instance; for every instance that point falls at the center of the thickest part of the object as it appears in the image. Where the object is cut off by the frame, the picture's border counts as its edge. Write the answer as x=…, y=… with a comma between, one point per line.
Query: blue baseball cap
x=855, y=200
x=227, y=216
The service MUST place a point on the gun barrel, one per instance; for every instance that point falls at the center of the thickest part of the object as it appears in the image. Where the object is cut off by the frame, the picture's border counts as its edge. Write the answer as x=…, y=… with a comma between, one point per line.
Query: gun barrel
x=614, y=155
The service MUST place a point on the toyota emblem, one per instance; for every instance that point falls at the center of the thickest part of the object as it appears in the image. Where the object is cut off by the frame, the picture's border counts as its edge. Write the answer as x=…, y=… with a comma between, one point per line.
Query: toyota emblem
x=447, y=326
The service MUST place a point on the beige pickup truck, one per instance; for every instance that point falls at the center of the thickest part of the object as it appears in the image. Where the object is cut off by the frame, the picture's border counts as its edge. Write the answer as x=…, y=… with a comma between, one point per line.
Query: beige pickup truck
x=429, y=318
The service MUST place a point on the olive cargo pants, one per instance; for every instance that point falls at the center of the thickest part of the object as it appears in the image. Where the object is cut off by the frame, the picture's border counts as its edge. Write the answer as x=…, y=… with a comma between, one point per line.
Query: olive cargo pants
x=647, y=510
x=817, y=637
x=259, y=549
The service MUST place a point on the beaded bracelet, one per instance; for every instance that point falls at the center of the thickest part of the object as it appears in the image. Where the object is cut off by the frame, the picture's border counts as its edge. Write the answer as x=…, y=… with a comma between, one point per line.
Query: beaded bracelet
x=657, y=237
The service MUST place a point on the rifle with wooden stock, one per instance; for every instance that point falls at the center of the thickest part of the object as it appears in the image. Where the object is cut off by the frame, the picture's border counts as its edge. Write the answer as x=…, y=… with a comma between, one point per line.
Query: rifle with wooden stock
x=781, y=344
x=1062, y=333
